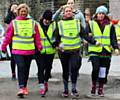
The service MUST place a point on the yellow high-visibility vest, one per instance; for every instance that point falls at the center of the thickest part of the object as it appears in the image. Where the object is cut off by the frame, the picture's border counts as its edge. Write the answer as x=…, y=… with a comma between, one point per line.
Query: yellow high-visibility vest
x=23, y=34
x=47, y=47
x=69, y=31
x=104, y=38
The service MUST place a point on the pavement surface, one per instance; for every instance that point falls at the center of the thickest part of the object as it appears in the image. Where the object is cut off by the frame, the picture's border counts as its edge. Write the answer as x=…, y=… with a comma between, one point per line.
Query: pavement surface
x=9, y=88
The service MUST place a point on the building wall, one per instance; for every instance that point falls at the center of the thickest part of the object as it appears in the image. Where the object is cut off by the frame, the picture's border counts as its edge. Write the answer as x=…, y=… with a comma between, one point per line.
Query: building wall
x=3, y=9
x=93, y=4
x=115, y=8
x=79, y=4
x=39, y=6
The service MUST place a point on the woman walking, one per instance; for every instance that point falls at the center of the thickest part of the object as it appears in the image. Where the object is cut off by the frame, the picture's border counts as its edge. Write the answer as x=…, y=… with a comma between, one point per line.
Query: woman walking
x=11, y=14
x=24, y=35
x=101, y=29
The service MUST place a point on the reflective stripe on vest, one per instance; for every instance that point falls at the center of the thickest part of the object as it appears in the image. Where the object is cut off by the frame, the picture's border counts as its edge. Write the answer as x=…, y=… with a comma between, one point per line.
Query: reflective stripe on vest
x=47, y=47
x=69, y=31
x=117, y=30
x=104, y=38
x=23, y=34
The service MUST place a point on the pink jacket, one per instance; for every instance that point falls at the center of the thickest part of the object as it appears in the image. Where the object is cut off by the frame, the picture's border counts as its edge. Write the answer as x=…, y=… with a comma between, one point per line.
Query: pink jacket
x=10, y=33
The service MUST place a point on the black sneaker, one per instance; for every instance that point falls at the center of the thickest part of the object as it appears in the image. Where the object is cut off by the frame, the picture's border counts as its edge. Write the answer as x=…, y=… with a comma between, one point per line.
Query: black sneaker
x=93, y=91
x=13, y=76
x=65, y=94
x=75, y=93
x=100, y=92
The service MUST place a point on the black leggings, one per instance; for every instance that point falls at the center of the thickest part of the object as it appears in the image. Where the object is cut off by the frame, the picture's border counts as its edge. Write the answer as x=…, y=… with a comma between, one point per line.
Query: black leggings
x=98, y=62
x=12, y=61
x=71, y=63
x=44, y=63
x=23, y=64
x=13, y=65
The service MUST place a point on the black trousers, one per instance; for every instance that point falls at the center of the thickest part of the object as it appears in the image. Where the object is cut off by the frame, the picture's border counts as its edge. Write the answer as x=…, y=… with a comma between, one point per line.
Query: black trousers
x=98, y=62
x=23, y=64
x=44, y=63
x=71, y=62
x=12, y=61
x=12, y=64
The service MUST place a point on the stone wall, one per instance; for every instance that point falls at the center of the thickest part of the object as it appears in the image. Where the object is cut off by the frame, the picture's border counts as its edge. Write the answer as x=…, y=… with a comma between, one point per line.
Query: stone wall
x=115, y=8
x=3, y=9
x=93, y=4
x=39, y=6
x=79, y=4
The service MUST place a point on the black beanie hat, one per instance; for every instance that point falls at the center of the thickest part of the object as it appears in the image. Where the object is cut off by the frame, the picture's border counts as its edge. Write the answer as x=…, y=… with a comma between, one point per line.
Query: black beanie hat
x=47, y=15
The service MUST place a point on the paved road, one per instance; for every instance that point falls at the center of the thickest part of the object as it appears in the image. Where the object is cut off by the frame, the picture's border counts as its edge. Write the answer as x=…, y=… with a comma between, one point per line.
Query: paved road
x=8, y=88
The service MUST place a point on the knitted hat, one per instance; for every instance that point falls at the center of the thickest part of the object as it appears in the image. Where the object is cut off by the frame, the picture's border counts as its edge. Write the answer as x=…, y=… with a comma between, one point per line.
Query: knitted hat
x=47, y=15
x=101, y=9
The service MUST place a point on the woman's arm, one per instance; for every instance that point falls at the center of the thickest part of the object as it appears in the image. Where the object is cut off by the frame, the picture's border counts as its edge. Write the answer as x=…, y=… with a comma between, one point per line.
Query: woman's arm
x=113, y=38
x=37, y=37
x=58, y=14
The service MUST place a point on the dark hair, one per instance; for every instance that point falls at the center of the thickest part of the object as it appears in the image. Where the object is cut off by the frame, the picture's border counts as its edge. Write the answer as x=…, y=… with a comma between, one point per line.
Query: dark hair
x=13, y=3
x=73, y=0
x=47, y=15
x=106, y=17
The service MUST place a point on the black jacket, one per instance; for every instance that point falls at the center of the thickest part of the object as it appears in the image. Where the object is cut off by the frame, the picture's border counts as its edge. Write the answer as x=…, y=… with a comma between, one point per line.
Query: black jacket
x=9, y=17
